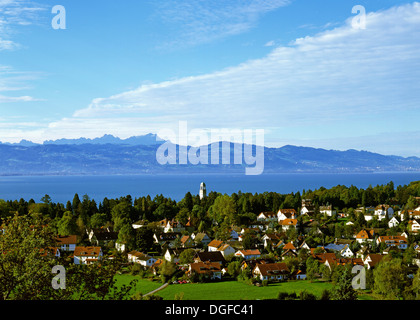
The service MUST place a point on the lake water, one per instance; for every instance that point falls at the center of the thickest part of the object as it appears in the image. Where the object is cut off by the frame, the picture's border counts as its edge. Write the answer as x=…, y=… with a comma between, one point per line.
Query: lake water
x=62, y=188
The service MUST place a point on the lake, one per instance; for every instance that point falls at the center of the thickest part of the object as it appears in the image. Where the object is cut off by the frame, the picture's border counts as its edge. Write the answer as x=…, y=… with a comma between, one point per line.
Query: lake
x=62, y=188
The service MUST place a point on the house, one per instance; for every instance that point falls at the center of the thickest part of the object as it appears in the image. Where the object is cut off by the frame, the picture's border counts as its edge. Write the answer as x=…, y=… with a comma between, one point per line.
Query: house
x=201, y=238
x=205, y=256
x=271, y=271
x=270, y=238
x=166, y=238
x=50, y=252
x=141, y=258
x=172, y=254
x=412, y=214
x=346, y=252
x=87, y=255
x=234, y=235
x=342, y=249
x=214, y=245
x=172, y=226
x=67, y=243
x=307, y=207
x=257, y=226
x=252, y=263
x=383, y=210
x=304, y=246
x=139, y=224
x=365, y=236
x=155, y=267
x=393, y=222
x=120, y=246
x=267, y=216
x=187, y=241
x=322, y=258
x=414, y=225
x=248, y=254
x=283, y=214
x=225, y=249
x=211, y=270
x=328, y=210
x=372, y=259
x=289, y=246
x=399, y=242
x=286, y=224
x=102, y=236
x=343, y=261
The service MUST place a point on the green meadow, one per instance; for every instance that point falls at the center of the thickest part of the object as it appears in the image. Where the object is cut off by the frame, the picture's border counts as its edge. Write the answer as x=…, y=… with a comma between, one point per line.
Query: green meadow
x=224, y=290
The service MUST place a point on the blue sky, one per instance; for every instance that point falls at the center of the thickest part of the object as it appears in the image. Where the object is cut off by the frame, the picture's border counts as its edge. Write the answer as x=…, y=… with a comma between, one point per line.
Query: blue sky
x=296, y=68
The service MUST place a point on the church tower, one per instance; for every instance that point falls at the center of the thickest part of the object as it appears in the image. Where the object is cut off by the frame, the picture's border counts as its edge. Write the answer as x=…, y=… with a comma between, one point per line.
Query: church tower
x=202, y=190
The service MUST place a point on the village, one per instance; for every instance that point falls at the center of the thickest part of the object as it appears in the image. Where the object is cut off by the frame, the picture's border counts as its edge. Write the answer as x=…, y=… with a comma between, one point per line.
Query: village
x=206, y=238
x=272, y=248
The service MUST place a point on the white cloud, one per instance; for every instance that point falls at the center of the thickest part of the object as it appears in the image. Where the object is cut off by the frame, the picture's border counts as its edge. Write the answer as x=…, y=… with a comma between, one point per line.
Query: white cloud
x=203, y=21
x=338, y=77
x=15, y=13
x=271, y=43
x=5, y=99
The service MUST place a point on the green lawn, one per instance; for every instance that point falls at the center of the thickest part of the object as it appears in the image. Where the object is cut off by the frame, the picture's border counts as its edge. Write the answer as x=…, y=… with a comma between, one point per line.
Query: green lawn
x=234, y=290
x=143, y=285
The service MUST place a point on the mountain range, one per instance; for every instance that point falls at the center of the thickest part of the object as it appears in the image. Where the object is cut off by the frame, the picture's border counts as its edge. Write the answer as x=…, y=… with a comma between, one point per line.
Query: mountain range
x=110, y=155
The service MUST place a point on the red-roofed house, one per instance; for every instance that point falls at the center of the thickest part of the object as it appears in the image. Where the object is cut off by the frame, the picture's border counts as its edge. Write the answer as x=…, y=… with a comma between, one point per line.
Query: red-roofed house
x=271, y=271
x=248, y=254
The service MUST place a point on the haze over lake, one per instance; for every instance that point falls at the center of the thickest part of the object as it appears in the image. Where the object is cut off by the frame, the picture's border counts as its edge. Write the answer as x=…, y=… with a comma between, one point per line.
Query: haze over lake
x=62, y=188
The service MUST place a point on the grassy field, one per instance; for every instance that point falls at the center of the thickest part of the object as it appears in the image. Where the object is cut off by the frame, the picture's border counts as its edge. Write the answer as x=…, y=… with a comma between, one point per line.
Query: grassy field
x=143, y=285
x=228, y=290
x=225, y=290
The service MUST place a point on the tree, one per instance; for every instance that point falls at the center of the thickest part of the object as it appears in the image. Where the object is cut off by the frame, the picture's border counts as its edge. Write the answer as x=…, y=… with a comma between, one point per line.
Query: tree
x=167, y=269
x=98, y=220
x=343, y=289
x=144, y=239
x=121, y=215
x=390, y=278
x=234, y=268
x=67, y=224
x=25, y=273
x=223, y=210
x=187, y=256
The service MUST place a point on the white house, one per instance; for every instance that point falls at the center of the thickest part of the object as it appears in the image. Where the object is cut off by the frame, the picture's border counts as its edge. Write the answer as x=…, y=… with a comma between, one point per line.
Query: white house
x=141, y=258
x=172, y=254
x=248, y=254
x=173, y=226
x=307, y=207
x=267, y=216
x=415, y=225
x=87, y=255
x=393, y=222
x=226, y=250
x=346, y=252
x=214, y=245
x=283, y=214
x=201, y=237
x=382, y=210
x=287, y=224
x=271, y=271
x=393, y=241
x=328, y=210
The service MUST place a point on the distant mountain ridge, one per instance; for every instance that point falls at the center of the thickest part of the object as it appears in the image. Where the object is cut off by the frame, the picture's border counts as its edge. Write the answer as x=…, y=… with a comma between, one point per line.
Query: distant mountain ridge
x=137, y=155
x=148, y=139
